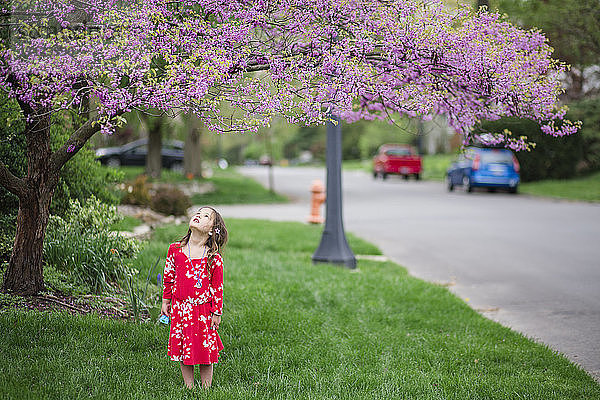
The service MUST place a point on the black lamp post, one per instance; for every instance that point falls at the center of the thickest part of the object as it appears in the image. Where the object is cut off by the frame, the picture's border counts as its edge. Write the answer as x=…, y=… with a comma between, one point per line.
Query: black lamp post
x=334, y=247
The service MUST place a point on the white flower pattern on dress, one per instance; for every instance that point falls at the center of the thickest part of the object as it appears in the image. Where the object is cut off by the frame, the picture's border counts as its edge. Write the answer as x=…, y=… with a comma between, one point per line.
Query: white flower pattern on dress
x=191, y=339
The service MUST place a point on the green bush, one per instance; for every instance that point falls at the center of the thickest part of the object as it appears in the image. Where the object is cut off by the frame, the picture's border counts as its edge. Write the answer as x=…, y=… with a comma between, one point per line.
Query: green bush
x=588, y=111
x=7, y=235
x=379, y=132
x=552, y=158
x=82, y=245
x=170, y=200
x=137, y=192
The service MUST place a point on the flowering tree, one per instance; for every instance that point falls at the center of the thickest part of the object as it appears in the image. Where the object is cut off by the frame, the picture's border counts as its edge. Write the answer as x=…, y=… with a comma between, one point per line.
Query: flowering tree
x=303, y=59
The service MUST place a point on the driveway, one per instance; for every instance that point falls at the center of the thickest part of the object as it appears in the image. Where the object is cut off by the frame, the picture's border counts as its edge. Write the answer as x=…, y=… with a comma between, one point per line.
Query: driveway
x=529, y=263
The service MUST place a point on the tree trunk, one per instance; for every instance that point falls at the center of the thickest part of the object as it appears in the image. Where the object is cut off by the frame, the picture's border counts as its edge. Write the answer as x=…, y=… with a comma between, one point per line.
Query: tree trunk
x=575, y=89
x=154, y=158
x=24, y=274
x=192, y=151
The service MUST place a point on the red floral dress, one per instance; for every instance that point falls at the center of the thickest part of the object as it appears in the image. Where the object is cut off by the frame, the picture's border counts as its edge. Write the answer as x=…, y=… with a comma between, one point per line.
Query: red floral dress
x=191, y=339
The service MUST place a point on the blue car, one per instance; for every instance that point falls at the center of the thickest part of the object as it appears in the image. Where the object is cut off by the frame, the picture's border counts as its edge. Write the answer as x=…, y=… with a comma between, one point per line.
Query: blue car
x=484, y=167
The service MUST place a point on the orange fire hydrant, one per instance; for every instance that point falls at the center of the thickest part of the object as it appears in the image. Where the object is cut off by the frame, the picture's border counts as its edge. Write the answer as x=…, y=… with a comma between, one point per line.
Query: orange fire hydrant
x=318, y=197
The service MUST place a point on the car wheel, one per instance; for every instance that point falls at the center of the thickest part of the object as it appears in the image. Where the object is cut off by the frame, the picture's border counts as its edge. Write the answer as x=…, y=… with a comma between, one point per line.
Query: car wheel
x=375, y=174
x=418, y=177
x=514, y=190
x=467, y=184
x=405, y=177
x=177, y=167
x=384, y=176
x=113, y=162
x=449, y=184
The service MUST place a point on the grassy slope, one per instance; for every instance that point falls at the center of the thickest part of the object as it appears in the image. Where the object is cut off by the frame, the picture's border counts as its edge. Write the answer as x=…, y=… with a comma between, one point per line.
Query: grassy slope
x=295, y=330
x=231, y=187
x=586, y=188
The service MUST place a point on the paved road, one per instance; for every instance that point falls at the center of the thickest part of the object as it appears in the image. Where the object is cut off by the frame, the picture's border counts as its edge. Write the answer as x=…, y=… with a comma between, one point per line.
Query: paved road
x=531, y=264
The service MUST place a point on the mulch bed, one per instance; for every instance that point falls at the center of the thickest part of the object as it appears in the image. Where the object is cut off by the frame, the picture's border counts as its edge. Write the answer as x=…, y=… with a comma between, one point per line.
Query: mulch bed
x=104, y=306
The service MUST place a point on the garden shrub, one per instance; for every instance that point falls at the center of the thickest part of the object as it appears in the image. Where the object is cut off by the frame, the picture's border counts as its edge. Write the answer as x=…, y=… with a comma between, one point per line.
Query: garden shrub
x=83, y=246
x=170, y=200
x=137, y=192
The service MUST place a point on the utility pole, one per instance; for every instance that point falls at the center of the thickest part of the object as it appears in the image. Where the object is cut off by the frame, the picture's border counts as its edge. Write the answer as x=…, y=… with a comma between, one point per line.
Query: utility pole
x=334, y=246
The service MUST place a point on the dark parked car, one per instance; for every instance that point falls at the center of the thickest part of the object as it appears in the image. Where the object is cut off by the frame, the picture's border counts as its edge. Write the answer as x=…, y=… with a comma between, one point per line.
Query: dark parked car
x=134, y=153
x=484, y=167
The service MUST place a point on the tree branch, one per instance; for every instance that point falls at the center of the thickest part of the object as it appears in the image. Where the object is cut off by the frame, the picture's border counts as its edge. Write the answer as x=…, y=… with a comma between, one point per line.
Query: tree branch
x=255, y=68
x=74, y=144
x=13, y=184
x=14, y=83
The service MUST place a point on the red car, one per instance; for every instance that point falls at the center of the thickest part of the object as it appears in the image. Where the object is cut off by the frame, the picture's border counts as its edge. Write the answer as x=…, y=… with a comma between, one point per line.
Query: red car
x=397, y=159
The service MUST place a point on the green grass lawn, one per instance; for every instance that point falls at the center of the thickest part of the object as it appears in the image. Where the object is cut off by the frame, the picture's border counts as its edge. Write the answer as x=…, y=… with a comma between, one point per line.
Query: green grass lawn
x=586, y=188
x=435, y=166
x=354, y=165
x=230, y=187
x=126, y=224
x=234, y=188
x=294, y=330
x=166, y=175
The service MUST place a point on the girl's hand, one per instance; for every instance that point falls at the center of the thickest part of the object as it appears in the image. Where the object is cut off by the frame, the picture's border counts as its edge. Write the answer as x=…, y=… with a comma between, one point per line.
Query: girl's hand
x=165, y=308
x=216, y=320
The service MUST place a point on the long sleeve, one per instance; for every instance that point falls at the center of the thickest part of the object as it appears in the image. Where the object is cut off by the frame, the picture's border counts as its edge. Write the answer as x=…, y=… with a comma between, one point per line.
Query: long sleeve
x=216, y=286
x=169, y=274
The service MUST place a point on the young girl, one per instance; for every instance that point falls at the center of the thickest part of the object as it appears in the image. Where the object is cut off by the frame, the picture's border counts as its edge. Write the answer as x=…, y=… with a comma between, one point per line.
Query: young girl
x=193, y=295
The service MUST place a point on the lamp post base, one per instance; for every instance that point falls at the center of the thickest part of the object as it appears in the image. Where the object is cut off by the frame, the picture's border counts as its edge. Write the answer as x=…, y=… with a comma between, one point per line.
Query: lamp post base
x=334, y=248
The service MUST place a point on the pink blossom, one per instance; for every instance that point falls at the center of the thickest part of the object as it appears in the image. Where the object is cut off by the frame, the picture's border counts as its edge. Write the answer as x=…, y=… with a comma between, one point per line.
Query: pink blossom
x=363, y=59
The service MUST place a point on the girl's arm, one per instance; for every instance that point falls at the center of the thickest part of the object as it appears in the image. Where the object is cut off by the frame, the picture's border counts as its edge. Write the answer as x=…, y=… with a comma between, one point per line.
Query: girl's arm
x=216, y=285
x=169, y=275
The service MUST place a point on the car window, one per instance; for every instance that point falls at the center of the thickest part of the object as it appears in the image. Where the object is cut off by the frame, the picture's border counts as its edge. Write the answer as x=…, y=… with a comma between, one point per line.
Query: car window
x=496, y=157
x=398, y=152
x=171, y=146
x=139, y=149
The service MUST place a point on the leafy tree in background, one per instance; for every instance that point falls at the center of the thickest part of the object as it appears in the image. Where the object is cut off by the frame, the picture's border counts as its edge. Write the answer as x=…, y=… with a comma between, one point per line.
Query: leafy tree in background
x=573, y=28
x=303, y=59
x=483, y=3
x=552, y=158
x=588, y=110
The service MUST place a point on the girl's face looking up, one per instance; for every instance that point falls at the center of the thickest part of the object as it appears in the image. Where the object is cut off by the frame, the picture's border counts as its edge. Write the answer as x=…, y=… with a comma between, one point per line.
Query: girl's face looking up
x=203, y=220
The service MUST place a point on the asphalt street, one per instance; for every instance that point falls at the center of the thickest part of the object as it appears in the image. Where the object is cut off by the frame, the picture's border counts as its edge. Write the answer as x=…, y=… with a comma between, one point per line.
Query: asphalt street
x=529, y=263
